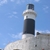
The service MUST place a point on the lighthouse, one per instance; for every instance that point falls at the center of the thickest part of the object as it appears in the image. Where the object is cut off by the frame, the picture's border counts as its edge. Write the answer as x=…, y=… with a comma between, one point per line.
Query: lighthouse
x=29, y=21
x=29, y=41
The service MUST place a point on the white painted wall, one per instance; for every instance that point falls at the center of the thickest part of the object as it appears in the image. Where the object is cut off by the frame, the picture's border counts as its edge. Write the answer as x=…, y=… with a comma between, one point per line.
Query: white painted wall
x=29, y=14
x=27, y=35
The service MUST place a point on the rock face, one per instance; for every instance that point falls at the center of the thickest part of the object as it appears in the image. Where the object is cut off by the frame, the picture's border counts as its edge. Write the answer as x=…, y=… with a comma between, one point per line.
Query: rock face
x=40, y=42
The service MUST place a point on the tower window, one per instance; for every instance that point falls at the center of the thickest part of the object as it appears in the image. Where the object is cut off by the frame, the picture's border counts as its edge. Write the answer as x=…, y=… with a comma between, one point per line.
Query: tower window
x=26, y=40
x=42, y=49
x=35, y=45
x=15, y=49
x=26, y=16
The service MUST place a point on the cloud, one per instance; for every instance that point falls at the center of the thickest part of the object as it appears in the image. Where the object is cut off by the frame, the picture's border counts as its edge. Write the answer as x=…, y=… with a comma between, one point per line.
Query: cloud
x=0, y=34
x=45, y=8
x=18, y=1
x=42, y=32
x=3, y=2
x=16, y=36
x=45, y=31
x=4, y=44
x=12, y=0
x=12, y=15
x=14, y=12
x=36, y=0
x=23, y=1
x=39, y=31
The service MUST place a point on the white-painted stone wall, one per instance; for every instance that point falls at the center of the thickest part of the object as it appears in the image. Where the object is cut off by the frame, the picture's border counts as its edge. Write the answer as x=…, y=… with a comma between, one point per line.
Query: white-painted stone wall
x=42, y=41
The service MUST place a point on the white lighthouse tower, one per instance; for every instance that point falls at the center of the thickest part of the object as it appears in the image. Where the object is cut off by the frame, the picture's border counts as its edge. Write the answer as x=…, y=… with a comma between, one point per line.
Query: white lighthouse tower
x=29, y=21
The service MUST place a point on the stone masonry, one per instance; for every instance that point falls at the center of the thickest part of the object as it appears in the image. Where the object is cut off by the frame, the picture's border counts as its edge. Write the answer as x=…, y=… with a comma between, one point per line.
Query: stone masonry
x=40, y=42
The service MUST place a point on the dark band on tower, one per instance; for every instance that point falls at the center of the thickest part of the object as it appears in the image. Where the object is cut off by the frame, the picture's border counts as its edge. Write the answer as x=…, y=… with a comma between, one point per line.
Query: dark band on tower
x=29, y=26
